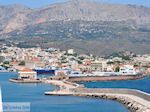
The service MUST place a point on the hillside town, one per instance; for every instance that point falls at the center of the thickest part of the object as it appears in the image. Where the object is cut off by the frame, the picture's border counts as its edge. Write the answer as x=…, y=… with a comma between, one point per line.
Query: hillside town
x=126, y=62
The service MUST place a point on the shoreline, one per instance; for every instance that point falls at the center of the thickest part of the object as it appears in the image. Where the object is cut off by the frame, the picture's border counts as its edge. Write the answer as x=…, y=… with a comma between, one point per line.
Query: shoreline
x=134, y=100
x=105, y=78
x=127, y=101
x=24, y=81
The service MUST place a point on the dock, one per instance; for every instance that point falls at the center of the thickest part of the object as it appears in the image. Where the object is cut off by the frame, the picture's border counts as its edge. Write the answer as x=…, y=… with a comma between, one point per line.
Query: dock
x=24, y=81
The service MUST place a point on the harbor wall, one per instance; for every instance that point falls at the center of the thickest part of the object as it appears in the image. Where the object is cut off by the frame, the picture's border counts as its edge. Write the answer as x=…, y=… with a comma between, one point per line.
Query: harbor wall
x=130, y=104
x=104, y=78
x=138, y=93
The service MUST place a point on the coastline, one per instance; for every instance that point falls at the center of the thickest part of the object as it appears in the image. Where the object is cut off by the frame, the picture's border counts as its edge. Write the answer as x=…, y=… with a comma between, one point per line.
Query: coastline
x=105, y=78
x=134, y=100
x=24, y=81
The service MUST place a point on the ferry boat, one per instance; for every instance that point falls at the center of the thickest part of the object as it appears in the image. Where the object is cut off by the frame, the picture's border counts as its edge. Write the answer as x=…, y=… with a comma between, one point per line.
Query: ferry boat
x=46, y=70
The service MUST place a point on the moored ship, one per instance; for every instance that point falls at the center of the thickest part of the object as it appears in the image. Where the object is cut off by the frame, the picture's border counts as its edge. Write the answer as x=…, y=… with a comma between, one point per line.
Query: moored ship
x=47, y=70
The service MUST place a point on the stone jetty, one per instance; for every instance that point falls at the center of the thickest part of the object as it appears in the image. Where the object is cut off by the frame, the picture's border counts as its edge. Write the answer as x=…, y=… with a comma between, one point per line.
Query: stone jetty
x=105, y=78
x=134, y=100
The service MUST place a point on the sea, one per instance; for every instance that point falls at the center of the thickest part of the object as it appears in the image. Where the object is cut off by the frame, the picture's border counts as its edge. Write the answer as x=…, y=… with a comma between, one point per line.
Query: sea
x=34, y=94
x=140, y=84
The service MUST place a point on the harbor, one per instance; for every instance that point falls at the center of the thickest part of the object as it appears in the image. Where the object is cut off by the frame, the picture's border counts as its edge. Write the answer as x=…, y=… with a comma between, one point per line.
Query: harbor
x=130, y=98
x=34, y=93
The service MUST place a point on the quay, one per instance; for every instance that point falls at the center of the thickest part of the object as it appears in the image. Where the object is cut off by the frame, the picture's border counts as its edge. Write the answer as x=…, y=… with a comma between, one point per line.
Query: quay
x=134, y=100
x=26, y=76
x=105, y=78
x=24, y=81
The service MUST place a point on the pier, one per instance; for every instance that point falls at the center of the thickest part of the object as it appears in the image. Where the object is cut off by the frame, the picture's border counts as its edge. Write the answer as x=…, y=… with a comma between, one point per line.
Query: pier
x=24, y=81
x=134, y=100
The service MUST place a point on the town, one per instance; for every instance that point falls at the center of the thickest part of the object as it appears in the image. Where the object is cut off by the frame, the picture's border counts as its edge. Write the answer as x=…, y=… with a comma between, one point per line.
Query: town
x=55, y=61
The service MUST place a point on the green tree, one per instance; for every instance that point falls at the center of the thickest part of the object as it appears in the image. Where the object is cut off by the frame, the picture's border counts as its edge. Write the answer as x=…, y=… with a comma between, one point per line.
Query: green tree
x=6, y=62
x=22, y=63
x=81, y=58
x=117, y=69
x=125, y=57
x=110, y=62
x=1, y=59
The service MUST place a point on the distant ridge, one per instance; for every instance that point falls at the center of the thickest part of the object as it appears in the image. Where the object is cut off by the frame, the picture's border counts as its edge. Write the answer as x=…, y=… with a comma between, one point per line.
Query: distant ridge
x=79, y=20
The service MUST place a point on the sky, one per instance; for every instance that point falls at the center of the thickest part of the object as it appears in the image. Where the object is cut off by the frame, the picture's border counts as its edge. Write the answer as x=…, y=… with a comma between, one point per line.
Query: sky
x=40, y=3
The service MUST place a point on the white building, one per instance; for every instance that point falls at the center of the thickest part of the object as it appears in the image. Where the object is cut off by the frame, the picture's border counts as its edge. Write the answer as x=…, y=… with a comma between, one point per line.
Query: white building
x=70, y=51
x=27, y=74
x=127, y=70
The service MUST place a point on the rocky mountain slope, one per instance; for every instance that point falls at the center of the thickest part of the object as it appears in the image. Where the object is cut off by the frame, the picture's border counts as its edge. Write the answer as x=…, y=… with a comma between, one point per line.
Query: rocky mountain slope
x=79, y=21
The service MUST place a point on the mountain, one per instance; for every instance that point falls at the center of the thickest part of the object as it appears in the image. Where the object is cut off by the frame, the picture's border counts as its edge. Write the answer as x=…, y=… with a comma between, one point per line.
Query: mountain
x=79, y=21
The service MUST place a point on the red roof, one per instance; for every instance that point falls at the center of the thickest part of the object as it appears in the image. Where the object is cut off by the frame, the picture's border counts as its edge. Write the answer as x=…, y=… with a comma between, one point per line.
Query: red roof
x=26, y=70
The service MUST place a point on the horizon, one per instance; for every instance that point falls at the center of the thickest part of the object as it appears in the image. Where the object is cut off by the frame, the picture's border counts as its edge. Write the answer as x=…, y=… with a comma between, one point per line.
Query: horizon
x=40, y=3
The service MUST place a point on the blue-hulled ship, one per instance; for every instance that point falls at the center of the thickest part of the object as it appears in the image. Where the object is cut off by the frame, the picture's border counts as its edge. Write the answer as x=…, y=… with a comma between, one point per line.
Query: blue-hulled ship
x=47, y=70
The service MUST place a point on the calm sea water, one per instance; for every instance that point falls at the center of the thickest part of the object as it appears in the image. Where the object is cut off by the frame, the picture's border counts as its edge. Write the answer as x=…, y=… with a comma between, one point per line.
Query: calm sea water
x=141, y=84
x=34, y=93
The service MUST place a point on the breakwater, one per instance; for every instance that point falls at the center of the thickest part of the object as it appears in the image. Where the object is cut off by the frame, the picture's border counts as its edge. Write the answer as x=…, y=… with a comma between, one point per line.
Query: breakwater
x=134, y=100
x=105, y=78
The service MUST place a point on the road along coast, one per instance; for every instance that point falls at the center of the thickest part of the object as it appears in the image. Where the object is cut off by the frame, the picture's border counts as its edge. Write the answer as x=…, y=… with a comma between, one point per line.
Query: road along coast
x=134, y=100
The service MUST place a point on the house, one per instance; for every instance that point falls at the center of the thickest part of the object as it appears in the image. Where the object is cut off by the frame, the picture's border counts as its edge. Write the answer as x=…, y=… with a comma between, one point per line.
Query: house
x=70, y=51
x=127, y=70
x=27, y=74
x=99, y=66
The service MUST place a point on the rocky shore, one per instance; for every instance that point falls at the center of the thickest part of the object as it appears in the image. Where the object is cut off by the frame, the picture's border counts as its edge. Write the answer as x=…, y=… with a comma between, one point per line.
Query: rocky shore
x=134, y=100
x=127, y=102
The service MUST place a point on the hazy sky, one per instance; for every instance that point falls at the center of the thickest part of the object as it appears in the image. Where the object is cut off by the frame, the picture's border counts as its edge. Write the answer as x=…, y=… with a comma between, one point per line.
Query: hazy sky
x=40, y=3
